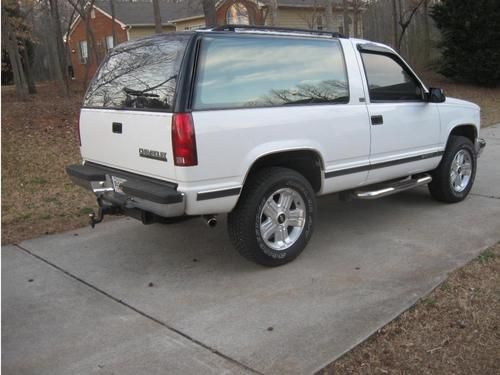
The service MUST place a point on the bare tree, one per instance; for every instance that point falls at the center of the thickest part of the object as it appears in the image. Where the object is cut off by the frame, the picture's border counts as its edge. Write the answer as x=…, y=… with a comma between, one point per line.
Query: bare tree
x=345, y=11
x=395, y=23
x=25, y=28
x=157, y=15
x=26, y=67
x=210, y=13
x=61, y=50
x=311, y=18
x=329, y=14
x=113, y=20
x=84, y=9
x=427, y=32
x=273, y=12
x=355, y=16
x=9, y=39
x=405, y=17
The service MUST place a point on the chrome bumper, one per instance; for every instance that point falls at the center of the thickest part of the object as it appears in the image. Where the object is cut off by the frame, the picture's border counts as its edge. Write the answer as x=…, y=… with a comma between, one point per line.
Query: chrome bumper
x=480, y=144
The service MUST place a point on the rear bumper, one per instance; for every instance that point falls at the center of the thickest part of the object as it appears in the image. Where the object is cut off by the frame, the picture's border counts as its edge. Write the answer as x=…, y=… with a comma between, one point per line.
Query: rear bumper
x=134, y=192
x=480, y=145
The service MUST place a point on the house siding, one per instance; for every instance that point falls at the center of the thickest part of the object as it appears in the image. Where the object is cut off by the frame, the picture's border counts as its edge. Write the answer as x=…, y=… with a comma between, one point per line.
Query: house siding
x=102, y=26
x=136, y=32
x=190, y=24
x=303, y=18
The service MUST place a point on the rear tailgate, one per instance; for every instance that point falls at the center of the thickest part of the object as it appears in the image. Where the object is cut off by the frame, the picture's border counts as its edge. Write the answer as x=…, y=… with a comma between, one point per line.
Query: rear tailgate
x=143, y=146
x=126, y=119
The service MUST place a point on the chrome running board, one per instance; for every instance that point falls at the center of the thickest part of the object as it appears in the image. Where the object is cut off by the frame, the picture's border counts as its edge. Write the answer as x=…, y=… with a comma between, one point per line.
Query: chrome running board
x=385, y=189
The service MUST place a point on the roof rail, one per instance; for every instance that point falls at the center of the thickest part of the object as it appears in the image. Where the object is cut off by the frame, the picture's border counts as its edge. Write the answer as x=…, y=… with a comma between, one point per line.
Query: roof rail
x=277, y=30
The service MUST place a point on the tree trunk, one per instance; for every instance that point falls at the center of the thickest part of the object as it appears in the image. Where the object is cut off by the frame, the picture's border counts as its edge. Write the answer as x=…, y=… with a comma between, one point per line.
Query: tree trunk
x=61, y=50
x=427, y=33
x=27, y=69
x=404, y=23
x=210, y=13
x=395, y=23
x=113, y=20
x=355, y=16
x=273, y=12
x=329, y=15
x=157, y=14
x=345, y=6
x=10, y=41
x=66, y=43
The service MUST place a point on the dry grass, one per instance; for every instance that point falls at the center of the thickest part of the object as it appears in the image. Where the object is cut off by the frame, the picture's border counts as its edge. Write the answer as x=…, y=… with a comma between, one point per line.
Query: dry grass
x=38, y=140
x=454, y=330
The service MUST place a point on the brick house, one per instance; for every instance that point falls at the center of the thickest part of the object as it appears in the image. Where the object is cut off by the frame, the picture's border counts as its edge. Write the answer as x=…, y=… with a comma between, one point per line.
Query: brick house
x=134, y=19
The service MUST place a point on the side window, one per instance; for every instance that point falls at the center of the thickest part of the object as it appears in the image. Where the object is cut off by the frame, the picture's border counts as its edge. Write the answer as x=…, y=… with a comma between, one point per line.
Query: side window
x=388, y=80
x=256, y=71
x=109, y=42
x=83, y=51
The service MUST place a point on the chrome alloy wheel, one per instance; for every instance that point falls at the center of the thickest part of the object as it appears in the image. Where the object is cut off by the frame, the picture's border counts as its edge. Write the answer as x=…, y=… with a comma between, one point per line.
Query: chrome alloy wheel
x=282, y=219
x=461, y=171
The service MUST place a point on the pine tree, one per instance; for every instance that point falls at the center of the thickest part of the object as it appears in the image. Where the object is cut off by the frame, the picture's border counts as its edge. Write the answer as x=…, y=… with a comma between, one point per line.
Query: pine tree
x=470, y=39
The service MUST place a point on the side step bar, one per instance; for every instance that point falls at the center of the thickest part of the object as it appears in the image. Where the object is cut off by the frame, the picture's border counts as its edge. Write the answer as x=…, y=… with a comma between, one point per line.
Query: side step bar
x=384, y=189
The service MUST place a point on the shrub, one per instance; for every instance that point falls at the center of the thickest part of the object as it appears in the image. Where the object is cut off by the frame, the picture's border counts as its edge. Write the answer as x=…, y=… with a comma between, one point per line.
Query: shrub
x=470, y=39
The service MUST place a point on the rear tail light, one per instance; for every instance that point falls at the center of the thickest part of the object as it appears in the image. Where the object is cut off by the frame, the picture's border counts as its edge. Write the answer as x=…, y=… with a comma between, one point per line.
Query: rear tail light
x=183, y=140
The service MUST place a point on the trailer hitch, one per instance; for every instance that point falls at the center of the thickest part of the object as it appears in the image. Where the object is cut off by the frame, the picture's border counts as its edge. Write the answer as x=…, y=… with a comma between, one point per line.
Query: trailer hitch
x=96, y=219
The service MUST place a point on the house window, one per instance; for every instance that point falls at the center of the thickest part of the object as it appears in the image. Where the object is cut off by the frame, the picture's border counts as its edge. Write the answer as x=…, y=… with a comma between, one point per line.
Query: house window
x=237, y=14
x=83, y=52
x=109, y=42
x=92, y=14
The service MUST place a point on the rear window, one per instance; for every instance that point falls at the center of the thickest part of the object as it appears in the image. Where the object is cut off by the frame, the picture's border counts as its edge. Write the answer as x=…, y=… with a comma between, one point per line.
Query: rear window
x=139, y=75
x=262, y=71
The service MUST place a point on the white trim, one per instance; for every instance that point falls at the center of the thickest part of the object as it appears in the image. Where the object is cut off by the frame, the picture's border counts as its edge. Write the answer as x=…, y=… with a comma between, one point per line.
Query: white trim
x=149, y=24
x=73, y=26
x=187, y=19
x=109, y=16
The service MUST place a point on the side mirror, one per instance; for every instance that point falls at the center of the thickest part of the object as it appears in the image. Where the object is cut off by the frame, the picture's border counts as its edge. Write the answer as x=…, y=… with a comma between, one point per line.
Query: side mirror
x=436, y=95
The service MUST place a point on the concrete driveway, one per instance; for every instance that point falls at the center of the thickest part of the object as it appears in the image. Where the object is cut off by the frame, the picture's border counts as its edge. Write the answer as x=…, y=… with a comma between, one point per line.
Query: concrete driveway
x=132, y=299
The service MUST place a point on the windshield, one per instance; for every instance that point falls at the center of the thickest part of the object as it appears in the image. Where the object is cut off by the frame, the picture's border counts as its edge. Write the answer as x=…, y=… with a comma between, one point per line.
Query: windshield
x=139, y=75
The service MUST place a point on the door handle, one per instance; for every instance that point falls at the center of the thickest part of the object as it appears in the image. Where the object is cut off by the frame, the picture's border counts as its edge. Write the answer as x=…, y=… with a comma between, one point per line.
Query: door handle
x=377, y=120
x=117, y=127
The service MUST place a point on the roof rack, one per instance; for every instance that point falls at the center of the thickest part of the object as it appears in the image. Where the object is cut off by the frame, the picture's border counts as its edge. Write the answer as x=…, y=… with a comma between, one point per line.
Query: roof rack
x=276, y=30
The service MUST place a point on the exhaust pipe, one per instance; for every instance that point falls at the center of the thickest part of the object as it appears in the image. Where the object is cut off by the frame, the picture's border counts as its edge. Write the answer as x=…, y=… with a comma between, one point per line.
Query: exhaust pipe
x=211, y=220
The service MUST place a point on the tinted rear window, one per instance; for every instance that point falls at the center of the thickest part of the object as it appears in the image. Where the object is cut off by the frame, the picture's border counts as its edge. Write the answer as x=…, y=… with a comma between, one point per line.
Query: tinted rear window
x=139, y=75
x=265, y=71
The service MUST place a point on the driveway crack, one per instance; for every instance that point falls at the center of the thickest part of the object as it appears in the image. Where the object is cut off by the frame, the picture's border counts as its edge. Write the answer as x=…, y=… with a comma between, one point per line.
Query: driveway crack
x=485, y=196
x=142, y=313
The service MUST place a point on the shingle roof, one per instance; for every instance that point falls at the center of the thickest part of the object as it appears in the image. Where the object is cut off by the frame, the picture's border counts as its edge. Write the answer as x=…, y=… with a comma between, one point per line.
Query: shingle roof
x=140, y=12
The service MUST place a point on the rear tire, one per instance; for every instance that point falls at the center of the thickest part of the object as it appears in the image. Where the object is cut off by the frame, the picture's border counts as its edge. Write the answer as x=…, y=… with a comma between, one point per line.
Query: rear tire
x=274, y=217
x=452, y=180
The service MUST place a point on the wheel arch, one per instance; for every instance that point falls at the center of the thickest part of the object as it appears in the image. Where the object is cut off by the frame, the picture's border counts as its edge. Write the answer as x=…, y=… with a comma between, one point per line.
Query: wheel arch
x=469, y=131
x=307, y=162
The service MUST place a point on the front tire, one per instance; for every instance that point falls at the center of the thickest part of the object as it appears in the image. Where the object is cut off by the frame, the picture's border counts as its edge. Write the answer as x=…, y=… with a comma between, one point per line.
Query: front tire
x=454, y=177
x=274, y=217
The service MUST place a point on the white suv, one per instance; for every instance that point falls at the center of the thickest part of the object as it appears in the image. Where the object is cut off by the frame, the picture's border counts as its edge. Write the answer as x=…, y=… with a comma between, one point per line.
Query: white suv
x=257, y=122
